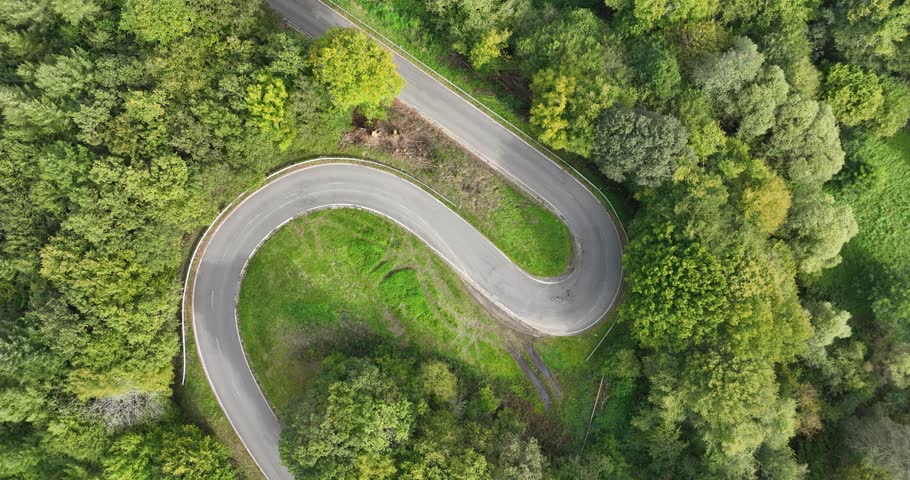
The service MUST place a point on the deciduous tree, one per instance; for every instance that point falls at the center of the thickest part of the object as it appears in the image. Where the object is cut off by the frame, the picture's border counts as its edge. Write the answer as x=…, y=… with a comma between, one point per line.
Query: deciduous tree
x=643, y=148
x=356, y=71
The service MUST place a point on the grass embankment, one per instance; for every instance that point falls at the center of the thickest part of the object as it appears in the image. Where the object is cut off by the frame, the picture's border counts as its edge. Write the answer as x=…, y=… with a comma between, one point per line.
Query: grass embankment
x=199, y=405
x=322, y=279
x=883, y=213
x=567, y=358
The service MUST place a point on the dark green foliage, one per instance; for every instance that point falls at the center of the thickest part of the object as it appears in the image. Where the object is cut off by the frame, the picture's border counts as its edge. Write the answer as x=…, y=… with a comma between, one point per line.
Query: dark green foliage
x=736, y=220
x=479, y=30
x=643, y=148
x=372, y=418
x=125, y=126
x=656, y=70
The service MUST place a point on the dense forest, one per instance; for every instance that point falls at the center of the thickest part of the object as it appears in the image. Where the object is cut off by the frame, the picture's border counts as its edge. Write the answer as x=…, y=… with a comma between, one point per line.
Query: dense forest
x=744, y=132
x=125, y=127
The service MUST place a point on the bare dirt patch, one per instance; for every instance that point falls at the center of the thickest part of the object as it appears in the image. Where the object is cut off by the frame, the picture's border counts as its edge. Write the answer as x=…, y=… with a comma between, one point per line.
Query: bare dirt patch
x=417, y=146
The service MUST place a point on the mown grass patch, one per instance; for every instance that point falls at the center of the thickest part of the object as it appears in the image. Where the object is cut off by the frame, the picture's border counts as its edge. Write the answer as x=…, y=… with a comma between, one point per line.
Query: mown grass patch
x=335, y=275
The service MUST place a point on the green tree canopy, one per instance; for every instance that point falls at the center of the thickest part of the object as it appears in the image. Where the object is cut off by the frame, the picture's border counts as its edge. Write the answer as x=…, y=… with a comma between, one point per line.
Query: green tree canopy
x=804, y=144
x=168, y=451
x=478, y=29
x=373, y=418
x=359, y=414
x=817, y=228
x=356, y=71
x=158, y=20
x=641, y=147
x=854, y=95
x=576, y=73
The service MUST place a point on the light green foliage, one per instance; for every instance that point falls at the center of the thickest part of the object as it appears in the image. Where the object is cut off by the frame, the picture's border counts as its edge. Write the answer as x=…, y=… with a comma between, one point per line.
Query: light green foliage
x=489, y=48
x=167, y=451
x=33, y=117
x=895, y=109
x=898, y=368
x=267, y=100
x=73, y=11
x=682, y=296
x=438, y=381
x=803, y=77
x=855, y=95
x=356, y=71
x=66, y=77
x=817, y=228
x=107, y=273
x=767, y=13
x=804, y=144
x=644, y=15
x=640, y=147
x=721, y=73
x=551, y=110
x=158, y=20
x=828, y=324
x=871, y=34
x=765, y=197
x=696, y=113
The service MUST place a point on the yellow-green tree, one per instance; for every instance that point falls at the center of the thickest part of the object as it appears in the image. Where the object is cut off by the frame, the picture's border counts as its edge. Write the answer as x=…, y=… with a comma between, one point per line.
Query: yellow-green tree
x=356, y=71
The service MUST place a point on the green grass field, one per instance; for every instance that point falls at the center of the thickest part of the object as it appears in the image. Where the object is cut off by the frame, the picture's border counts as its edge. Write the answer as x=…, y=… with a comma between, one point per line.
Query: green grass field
x=333, y=277
x=883, y=214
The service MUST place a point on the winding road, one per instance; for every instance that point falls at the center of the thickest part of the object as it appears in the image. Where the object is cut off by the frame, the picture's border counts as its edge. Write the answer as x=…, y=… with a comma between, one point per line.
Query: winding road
x=564, y=305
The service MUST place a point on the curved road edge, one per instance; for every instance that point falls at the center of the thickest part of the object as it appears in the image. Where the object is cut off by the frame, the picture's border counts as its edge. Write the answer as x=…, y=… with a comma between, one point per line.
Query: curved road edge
x=297, y=191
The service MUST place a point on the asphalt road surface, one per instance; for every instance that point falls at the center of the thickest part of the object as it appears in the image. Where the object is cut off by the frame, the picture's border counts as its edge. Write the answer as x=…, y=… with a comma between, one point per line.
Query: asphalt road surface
x=554, y=306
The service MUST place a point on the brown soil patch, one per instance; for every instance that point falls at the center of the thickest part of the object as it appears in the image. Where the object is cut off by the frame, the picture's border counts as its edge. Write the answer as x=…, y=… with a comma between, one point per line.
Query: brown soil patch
x=415, y=145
